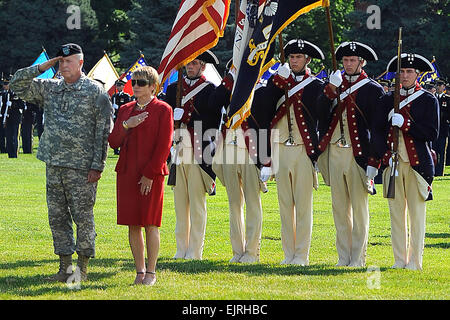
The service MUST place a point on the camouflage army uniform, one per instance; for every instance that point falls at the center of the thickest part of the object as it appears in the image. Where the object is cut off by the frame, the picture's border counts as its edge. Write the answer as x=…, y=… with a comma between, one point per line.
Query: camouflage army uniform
x=78, y=119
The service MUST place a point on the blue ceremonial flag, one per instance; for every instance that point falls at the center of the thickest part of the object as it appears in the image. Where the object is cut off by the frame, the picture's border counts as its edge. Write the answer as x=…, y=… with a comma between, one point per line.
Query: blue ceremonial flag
x=322, y=74
x=259, y=50
x=429, y=76
x=43, y=57
x=173, y=77
x=386, y=76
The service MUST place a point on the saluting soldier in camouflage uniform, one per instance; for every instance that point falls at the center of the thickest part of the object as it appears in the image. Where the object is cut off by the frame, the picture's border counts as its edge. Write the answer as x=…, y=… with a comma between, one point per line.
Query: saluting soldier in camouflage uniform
x=78, y=116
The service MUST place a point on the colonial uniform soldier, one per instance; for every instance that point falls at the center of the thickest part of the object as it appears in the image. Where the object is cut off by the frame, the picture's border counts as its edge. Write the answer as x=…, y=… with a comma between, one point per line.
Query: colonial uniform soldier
x=346, y=162
x=199, y=111
x=11, y=120
x=294, y=145
x=440, y=143
x=238, y=163
x=418, y=123
x=78, y=116
x=26, y=129
x=118, y=99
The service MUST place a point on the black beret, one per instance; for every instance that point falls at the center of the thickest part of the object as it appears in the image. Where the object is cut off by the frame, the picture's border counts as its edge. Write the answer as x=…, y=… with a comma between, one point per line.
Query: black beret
x=69, y=49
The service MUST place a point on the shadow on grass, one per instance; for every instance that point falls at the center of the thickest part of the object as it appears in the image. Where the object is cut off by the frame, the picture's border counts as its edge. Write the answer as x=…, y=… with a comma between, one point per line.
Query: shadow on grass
x=257, y=269
x=35, y=285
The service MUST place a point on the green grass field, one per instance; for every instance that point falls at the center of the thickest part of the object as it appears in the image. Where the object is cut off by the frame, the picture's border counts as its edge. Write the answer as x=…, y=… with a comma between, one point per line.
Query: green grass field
x=26, y=250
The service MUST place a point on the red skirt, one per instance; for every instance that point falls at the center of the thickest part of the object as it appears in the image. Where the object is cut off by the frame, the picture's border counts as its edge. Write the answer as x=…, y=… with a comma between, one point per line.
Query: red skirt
x=135, y=209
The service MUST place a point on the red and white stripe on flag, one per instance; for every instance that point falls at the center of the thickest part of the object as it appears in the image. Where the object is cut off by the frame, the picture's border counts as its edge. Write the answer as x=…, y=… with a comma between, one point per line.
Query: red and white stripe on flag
x=197, y=28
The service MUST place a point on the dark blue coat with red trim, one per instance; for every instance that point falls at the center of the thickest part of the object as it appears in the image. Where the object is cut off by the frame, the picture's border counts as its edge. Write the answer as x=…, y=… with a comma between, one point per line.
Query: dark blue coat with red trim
x=367, y=100
x=421, y=126
x=208, y=104
x=266, y=99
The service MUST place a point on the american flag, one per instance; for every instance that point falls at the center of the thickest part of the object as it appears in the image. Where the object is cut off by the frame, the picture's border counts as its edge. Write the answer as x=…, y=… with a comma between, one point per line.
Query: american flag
x=197, y=28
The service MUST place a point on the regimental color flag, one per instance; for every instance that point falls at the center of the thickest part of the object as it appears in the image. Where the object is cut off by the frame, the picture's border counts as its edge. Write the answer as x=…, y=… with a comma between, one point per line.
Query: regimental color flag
x=140, y=62
x=322, y=74
x=386, y=76
x=274, y=17
x=43, y=57
x=429, y=76
x=197, y=28
x=105, y=72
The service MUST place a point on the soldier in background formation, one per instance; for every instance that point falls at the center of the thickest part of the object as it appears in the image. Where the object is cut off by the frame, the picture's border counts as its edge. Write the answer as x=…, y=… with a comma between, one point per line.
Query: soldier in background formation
x=440, y=143
x=17, y=118
x=118, y=99
x=12, y=108
x=2, y=115
x=26, y=129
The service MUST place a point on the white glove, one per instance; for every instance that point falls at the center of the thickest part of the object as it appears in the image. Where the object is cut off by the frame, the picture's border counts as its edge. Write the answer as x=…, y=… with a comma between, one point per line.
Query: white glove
x=266, y=173
x=115, y=106
x=284, y=71
x=178, y=113
x=8, y=103
x=336, y=78
x=397, y=120
x=371, y=172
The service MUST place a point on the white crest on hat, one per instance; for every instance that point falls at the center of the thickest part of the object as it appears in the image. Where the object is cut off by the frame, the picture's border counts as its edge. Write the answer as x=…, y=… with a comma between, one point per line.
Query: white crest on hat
x=271, y=8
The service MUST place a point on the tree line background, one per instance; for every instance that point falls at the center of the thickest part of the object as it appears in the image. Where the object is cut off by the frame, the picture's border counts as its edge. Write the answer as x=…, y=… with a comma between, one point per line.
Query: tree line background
x=124, y=28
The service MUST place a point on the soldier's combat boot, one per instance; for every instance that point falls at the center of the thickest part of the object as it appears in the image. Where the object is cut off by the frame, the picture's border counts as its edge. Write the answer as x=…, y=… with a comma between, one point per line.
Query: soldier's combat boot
x=65, y=269
x=82, y=264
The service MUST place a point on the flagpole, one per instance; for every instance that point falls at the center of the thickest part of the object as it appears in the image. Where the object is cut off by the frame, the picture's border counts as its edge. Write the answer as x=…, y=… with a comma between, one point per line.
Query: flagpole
x=333, y=59
x=171, y=180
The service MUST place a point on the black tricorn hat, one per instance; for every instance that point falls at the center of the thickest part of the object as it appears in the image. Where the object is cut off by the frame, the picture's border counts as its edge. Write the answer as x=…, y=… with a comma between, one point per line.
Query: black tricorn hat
x=208, y=57
x=440, y=82
x=410, y=60
x=353, y=48
x=303, y=46
x=69, y=49
x=120, y=82
x=6, y=79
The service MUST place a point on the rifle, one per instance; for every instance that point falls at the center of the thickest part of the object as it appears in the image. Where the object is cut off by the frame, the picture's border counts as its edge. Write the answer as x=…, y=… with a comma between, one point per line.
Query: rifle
x=342, y=143
x=290, y=139
x=394, y=147
x=172, y=179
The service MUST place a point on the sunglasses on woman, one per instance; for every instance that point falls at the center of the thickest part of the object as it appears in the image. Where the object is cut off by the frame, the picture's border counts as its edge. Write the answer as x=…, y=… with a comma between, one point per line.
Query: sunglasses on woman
x=140, y=82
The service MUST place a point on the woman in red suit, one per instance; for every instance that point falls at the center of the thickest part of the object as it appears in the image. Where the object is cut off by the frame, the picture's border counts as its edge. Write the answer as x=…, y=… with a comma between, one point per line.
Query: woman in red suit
x=143, y=131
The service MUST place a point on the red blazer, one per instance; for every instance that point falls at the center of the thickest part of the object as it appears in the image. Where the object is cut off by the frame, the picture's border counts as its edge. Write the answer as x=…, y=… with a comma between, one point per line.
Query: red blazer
x=153, y=138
